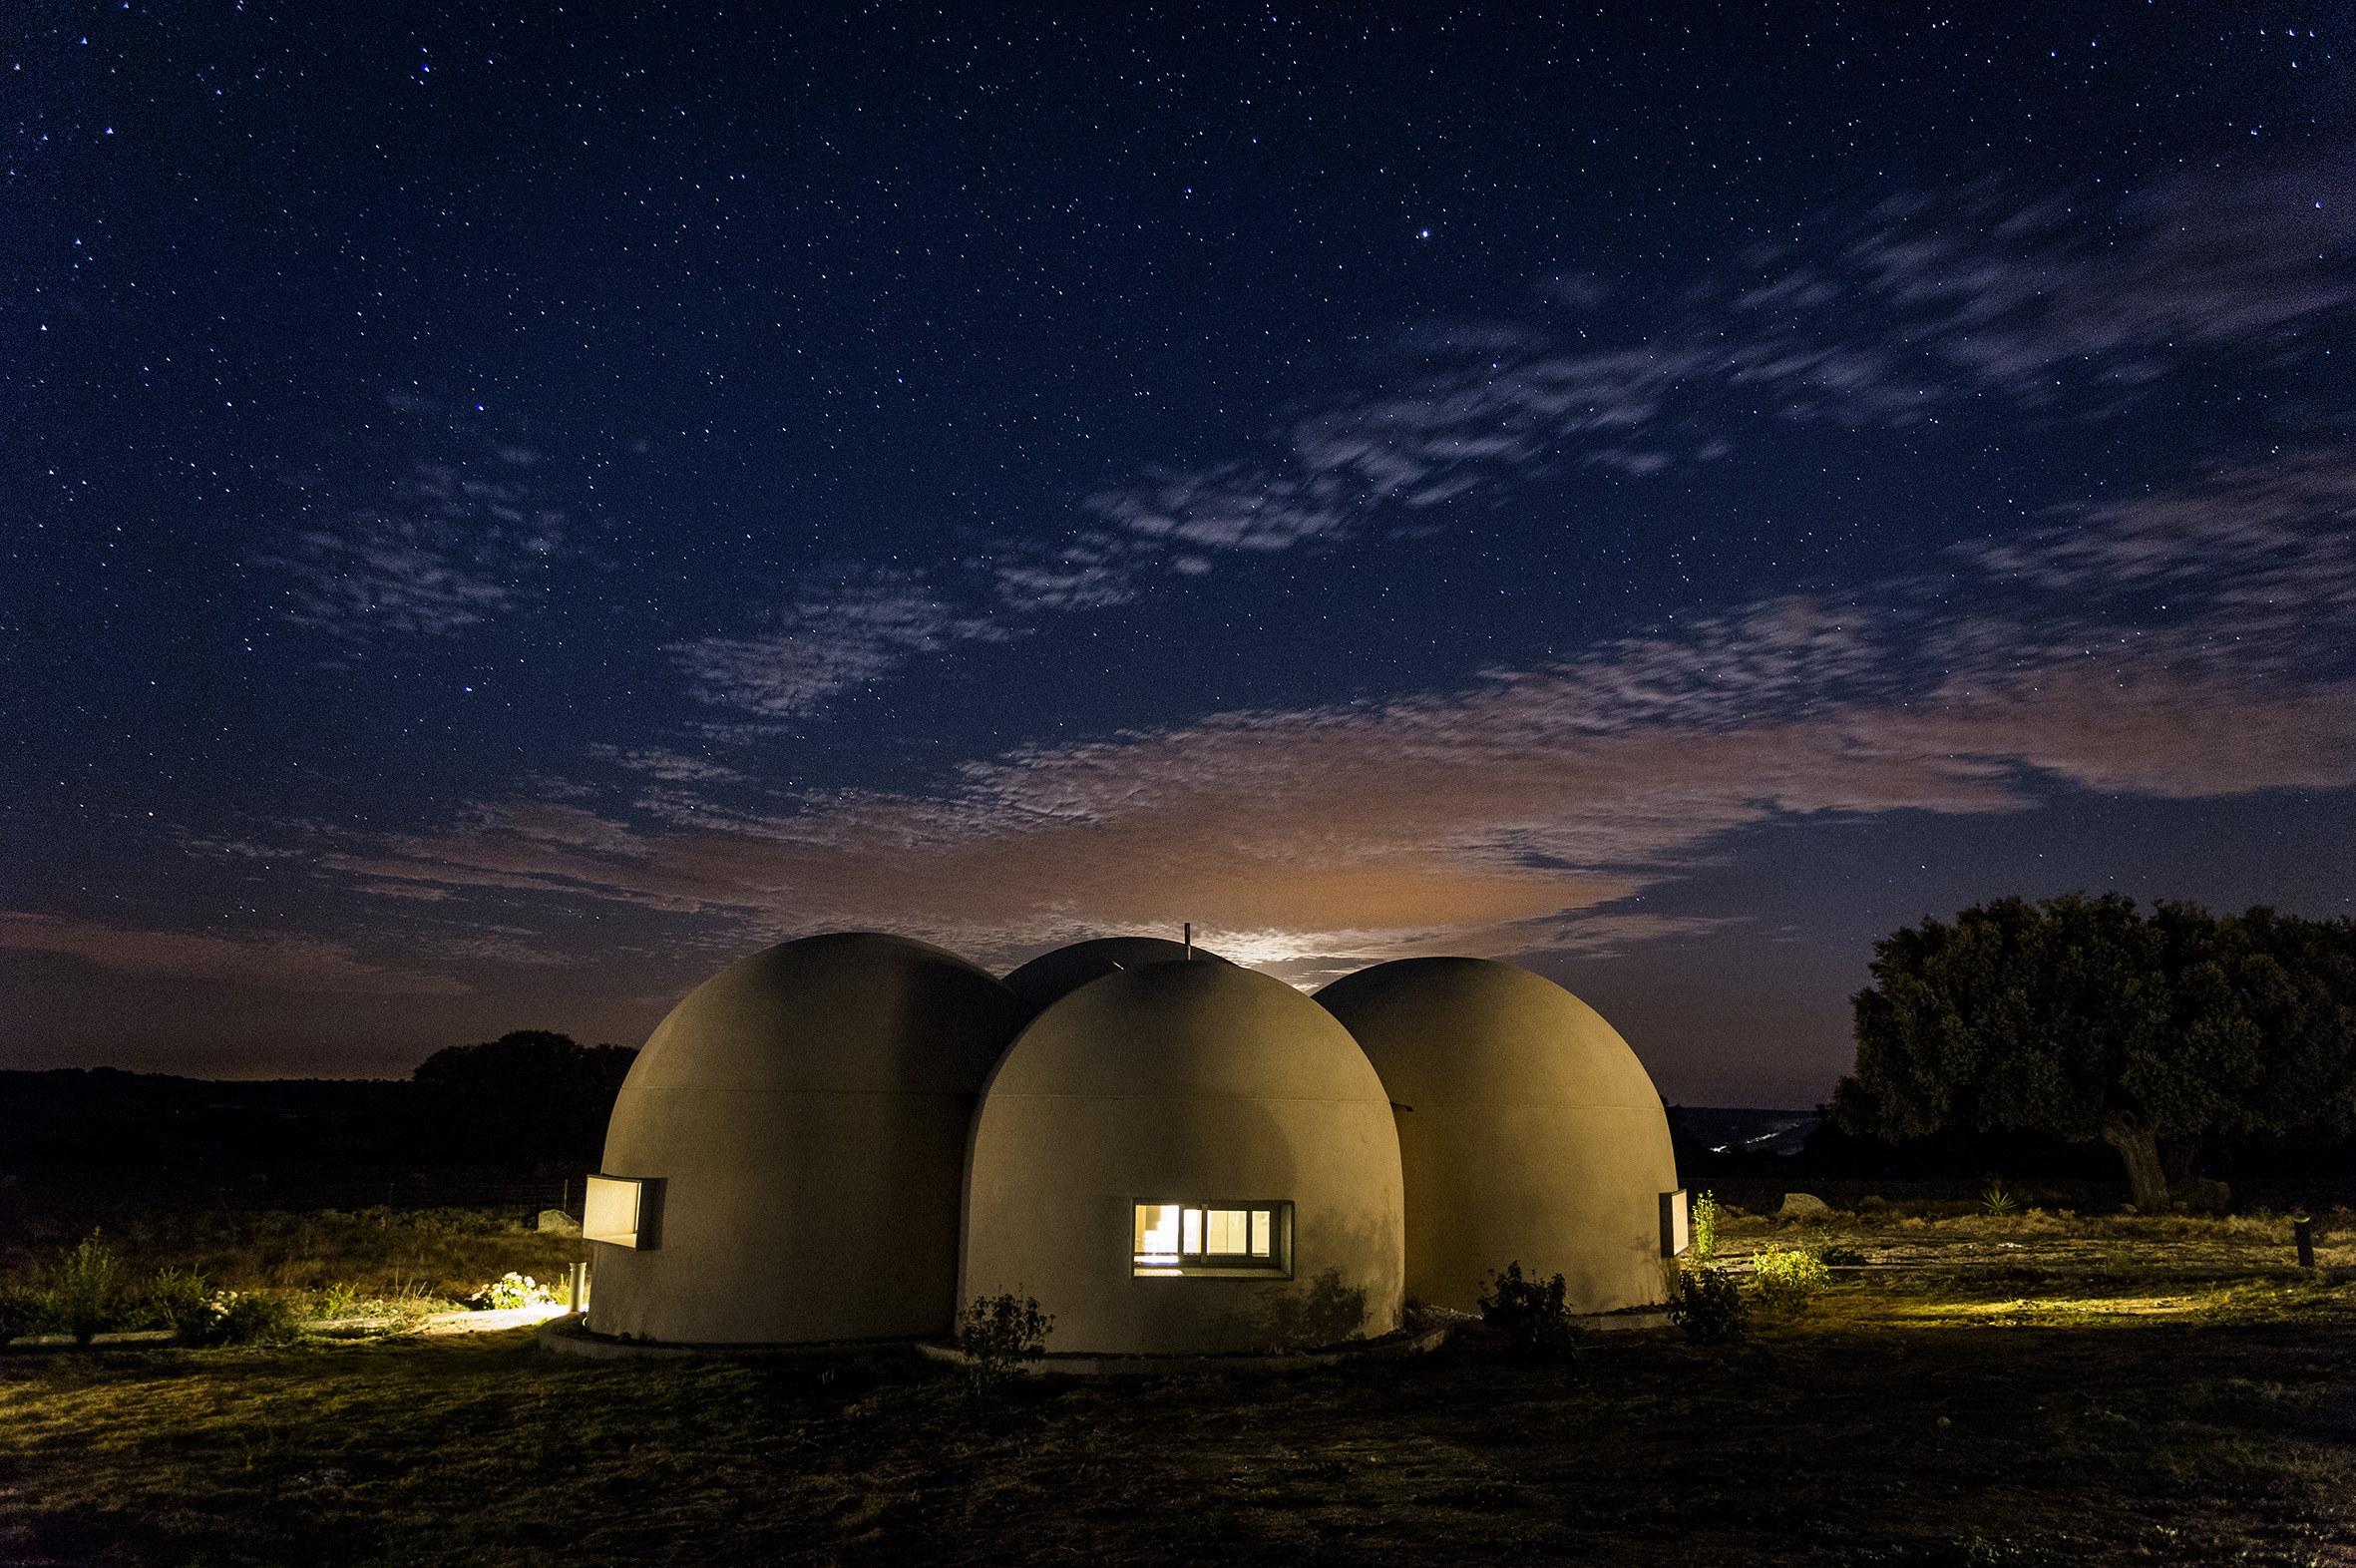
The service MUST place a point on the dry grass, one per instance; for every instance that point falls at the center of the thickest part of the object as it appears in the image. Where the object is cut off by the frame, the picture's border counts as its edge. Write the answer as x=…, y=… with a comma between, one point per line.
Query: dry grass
x=1931, y=1413
x=392, y=1255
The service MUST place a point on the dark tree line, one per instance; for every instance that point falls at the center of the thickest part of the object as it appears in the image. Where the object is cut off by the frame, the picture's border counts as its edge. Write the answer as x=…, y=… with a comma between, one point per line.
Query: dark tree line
x=2082, y=1019
x=530, y=1094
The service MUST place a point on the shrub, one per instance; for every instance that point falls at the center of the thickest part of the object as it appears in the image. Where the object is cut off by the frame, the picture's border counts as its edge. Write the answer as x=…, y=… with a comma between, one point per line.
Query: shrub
x=1996, y=1202
x=509, y=1290
x=232, y=1318
x=27, y=1311
x=174, y=1300
x=1532, y=1313
x=1702, y=1235
x=335, y=1301
x=1788, y=1279
x=87, y=1289
x=999, y=1333
x=1709, y=1307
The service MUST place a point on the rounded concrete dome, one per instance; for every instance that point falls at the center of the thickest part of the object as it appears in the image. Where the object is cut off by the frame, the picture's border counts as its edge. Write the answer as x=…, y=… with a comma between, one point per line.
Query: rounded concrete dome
x=1528, y=1131
x=1175, y=1091
x=1051, y=976
x=803, y=1114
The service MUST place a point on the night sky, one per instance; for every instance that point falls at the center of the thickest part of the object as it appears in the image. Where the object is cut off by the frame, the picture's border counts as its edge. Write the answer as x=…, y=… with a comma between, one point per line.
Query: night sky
x=505, y=517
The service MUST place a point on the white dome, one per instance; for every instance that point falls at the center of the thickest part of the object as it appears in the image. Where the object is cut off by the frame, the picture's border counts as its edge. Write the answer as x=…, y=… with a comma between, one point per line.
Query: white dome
x=1528, y=1130
x=1187, y=1089
x=805, y=1113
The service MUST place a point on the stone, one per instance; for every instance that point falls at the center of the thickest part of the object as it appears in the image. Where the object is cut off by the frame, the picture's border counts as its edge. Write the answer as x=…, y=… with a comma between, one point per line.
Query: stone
x=556, y=1221
x=1804, y=1205
x=2200, y=1195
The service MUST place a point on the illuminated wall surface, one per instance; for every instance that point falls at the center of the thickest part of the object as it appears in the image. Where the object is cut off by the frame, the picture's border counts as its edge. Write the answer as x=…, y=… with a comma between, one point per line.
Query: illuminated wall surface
x=1213, y=1091
x=845, y=1136
x=1534, y=1134
x=805, y=1111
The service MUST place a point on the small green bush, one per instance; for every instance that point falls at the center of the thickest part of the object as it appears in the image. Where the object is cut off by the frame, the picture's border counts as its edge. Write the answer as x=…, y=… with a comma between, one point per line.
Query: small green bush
x=1709, y=1305
x=174, y=1300
x=24, y=1311
x=1702, y=1235
x=1996, y=1202
x=998, y=1333
x=335, y=1301
x=1788, y=1277
x=232, y=1318
x=89, y=1288
x=1533, y=1314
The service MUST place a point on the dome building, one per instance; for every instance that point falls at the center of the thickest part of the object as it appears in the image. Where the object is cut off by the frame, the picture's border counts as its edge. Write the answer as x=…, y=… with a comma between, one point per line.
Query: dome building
x=1187, y=1158
x=1527, y=1131
x=847, y=1137
x=784, y=1160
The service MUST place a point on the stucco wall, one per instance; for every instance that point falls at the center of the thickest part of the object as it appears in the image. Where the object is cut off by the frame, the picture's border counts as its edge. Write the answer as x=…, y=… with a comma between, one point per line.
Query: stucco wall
x=807, y=1110
x=1199, y=1081
x=1535, y=1136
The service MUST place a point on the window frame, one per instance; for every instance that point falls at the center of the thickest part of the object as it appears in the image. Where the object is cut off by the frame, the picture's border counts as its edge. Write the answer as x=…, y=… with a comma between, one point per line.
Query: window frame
x=644, y=1195
x=1200, y=1265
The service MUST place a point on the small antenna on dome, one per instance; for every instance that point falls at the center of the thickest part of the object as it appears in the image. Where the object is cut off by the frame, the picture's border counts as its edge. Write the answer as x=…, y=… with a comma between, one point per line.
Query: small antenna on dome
x=1190, y=941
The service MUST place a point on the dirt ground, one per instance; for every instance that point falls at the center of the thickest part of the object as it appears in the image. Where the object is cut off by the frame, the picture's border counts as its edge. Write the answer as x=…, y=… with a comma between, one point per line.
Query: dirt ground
x=2031, y=1389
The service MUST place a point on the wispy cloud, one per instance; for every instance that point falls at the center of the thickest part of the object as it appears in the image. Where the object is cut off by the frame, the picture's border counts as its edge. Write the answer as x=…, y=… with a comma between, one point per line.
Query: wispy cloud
x=442, y=543
x=2271, y=546
x=1490, y=818
x=668, y=766
x=2065, y=303
x=292, y=963
x=828, y=641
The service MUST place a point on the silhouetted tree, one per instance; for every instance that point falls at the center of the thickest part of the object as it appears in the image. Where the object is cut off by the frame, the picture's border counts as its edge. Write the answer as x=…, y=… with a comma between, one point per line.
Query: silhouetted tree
x=528, y=1095
x=2078, y=1017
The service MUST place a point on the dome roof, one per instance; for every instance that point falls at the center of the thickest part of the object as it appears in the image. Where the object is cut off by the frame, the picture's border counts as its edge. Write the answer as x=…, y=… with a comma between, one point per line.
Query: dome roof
x=1465, y=1032
x=852, y=1012
x=1186, y=1030
x=1051, y=976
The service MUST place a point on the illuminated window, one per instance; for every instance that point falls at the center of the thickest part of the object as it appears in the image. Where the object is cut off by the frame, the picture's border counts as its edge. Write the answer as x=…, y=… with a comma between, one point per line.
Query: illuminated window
x=1250, y=1239
x=1157, y=1233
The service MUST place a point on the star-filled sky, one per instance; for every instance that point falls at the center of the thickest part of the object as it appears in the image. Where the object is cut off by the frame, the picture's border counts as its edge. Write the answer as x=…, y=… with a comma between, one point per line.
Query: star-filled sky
x=508, y=513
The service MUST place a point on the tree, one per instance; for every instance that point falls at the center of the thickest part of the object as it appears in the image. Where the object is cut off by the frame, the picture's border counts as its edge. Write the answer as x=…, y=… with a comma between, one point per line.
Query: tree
x=2078, y=1017
x=530, y=1094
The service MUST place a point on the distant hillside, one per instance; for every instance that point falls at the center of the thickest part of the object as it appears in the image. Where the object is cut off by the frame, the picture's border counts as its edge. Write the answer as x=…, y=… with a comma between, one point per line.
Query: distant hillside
x=1738, y=1130
x=527, y=1097
x=107, y=1117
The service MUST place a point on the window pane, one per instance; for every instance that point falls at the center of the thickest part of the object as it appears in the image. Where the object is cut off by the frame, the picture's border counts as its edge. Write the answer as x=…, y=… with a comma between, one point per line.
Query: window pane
x=1192, y=1234
x=1260, y=1233
x=1157, y=1233
x=1227, y=1232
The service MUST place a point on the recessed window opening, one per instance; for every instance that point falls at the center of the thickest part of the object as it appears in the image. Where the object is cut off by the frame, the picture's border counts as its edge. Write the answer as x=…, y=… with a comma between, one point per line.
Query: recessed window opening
x=1251, y=1237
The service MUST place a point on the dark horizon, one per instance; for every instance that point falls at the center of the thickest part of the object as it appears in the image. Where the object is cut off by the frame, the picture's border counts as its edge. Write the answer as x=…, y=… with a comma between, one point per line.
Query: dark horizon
x=517, y=515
